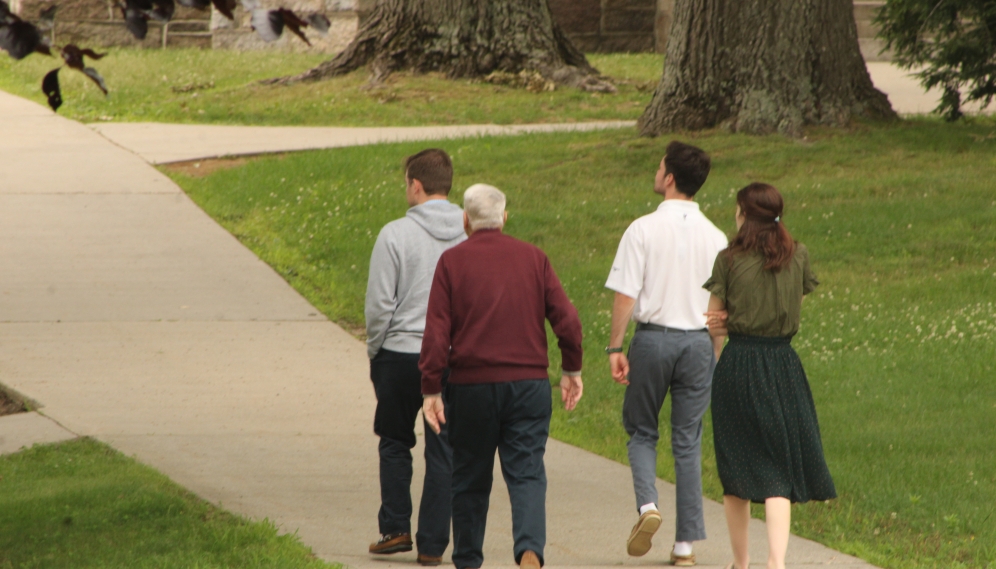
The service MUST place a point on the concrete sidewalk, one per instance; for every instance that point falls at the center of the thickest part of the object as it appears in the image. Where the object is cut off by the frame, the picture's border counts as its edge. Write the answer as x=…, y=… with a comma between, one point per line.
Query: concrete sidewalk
x=161, y=143
x=132, y=317
x=24, y=430
x=164, y=143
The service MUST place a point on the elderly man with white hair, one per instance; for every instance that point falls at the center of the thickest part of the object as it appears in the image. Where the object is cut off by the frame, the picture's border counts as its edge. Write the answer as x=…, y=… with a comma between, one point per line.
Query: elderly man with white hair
x=485, y=322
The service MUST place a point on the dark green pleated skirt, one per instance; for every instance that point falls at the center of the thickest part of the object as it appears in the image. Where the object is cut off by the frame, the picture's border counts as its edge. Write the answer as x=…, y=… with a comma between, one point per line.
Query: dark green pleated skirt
x=764, y=424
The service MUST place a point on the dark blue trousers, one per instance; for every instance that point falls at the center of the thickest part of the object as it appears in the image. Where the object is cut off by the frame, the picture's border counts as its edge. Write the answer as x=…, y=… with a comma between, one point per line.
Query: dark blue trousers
x=398, y=384
x=514, y=419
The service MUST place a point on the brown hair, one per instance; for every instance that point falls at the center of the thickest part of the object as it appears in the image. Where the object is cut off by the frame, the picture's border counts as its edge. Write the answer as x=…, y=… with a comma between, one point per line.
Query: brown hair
x=688, y=164
x=433, y=168
x=763, y=230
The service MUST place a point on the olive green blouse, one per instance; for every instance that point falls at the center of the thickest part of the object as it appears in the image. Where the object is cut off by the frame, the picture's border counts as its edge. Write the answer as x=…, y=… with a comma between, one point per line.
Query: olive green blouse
x=761, y=302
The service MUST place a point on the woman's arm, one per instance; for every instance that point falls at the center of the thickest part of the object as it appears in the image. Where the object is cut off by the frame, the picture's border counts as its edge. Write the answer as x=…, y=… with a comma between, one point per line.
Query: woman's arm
x=716, y=321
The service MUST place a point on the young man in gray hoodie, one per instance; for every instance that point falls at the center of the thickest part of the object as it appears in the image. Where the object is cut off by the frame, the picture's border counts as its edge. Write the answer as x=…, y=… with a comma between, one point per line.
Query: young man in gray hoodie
x=401, y=269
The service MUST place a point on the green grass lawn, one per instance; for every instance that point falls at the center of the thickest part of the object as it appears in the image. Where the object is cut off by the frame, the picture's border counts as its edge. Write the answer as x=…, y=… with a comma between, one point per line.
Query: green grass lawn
x=220, y=87
x=81, y=504
x=898, y=341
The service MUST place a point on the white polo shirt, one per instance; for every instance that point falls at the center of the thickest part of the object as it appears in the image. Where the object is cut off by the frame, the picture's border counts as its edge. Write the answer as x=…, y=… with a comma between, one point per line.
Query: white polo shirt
x=663, y=260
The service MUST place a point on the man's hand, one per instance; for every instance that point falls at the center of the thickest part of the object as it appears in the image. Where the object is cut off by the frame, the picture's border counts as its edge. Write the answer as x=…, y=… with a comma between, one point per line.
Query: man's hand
x=716, y=318
x=432, y=410
x=619, y=364
x=570, y=390
x=622, y=313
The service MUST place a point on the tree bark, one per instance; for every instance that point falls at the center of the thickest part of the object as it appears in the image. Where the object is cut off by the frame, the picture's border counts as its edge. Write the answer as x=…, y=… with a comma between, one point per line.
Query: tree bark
x=761, y=66
x=461, y=38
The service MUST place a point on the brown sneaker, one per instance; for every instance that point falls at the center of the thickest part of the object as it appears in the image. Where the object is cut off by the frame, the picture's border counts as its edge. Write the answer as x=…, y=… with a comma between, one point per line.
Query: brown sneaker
x=529, y=560
x=392, y=543
x=682, y=560
x=429, y=560
x=639, y=541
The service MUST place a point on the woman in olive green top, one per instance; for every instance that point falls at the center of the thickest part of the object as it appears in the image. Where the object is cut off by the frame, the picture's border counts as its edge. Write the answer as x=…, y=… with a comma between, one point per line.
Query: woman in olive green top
x=767, y=438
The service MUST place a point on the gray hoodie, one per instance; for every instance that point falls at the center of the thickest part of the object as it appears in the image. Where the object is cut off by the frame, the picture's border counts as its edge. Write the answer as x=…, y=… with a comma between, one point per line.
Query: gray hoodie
x=401, y=268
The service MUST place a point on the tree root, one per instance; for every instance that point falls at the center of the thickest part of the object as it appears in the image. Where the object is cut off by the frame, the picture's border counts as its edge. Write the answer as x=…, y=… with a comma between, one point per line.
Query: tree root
x=391, y=41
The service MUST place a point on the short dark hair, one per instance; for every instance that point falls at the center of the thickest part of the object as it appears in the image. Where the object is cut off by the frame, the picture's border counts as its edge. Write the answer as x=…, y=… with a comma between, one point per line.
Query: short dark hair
x=433, y=168
x=688, y=164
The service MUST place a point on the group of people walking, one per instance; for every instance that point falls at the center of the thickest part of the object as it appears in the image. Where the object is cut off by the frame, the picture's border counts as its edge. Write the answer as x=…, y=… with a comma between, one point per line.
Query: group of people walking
x=456, y=315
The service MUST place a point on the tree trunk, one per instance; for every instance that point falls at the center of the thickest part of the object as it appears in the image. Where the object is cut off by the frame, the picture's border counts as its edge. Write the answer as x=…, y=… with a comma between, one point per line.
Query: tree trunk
x=461, y=38
x=761, y=66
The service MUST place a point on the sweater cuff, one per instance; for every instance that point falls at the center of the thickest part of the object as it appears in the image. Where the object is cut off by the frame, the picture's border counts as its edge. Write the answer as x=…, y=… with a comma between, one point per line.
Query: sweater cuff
x=571, y=373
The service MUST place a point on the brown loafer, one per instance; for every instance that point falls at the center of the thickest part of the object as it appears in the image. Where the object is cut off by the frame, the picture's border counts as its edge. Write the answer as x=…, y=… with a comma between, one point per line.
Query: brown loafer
x=392, y=543
x=529, y=560
x=429, y=560
x=640, y=539
x=682, y=560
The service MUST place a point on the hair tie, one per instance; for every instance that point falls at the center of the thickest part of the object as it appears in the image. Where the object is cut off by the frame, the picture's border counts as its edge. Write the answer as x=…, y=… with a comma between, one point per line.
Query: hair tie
x=778, y=218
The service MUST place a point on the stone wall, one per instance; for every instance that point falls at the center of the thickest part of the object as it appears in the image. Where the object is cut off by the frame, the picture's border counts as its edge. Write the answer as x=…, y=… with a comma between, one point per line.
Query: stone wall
x=98, y=23
x=608, y=25
x=643, y=25
x=594, y=25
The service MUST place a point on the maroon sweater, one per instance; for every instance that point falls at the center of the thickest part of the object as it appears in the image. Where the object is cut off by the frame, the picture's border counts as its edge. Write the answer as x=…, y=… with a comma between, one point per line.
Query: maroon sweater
x=489, y=297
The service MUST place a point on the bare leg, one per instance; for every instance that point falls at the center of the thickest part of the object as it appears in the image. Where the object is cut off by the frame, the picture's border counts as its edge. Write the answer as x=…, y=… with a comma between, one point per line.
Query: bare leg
x=737, y=520
x=778, y=512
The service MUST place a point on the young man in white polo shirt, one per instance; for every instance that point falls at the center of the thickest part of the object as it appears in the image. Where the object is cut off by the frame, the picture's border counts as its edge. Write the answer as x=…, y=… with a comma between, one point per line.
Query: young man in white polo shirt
x=662, y=262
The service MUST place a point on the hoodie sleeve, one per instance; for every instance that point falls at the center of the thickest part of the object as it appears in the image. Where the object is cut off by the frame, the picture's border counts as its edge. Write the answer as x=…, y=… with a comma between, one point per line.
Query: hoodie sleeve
x=382, y=290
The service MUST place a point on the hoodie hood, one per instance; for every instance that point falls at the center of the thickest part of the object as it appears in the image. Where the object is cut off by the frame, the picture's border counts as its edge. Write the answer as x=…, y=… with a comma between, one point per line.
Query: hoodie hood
x=440, y=218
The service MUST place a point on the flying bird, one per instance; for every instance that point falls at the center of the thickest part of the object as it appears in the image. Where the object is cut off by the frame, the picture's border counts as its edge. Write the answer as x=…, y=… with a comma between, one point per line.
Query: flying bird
x=319, y=23
x=50, y=86
x=46, y=16
x=162, y=10
x=17, y=37
x=135, y=17
x=226, y=7
x=270, y=24
x=73, y=56
x=196, y=4
x=20, y=39
x=137, y=14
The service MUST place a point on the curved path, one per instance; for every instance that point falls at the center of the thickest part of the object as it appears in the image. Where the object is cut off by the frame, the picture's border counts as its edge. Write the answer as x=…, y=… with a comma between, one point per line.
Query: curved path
x=132, y=317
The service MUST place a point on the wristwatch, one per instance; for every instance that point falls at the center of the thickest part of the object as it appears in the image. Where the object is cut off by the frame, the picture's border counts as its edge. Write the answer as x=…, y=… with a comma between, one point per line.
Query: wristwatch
x=613, y=350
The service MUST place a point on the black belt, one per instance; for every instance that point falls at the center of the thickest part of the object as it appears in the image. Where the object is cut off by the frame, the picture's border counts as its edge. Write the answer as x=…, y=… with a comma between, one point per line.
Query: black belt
x=643, y=326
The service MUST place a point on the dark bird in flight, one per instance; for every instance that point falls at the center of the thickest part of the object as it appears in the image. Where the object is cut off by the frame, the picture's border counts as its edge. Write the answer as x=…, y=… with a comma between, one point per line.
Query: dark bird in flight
x=50, y=86
x=197, y=4
x=73, y=56
x=162, y=10
x=319, y=23
x=226, y=7
x=270, y=24
x=20, y=39
x=135, y=17
x=46, y=16
x=17, y=37
x=137, y=14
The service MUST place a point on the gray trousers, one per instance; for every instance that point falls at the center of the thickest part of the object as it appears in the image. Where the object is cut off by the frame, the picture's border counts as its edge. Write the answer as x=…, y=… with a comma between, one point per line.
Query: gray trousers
x=680, y=362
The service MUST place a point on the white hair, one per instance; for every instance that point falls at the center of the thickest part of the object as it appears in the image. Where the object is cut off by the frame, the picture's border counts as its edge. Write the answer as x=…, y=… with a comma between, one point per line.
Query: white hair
x=485, y=207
